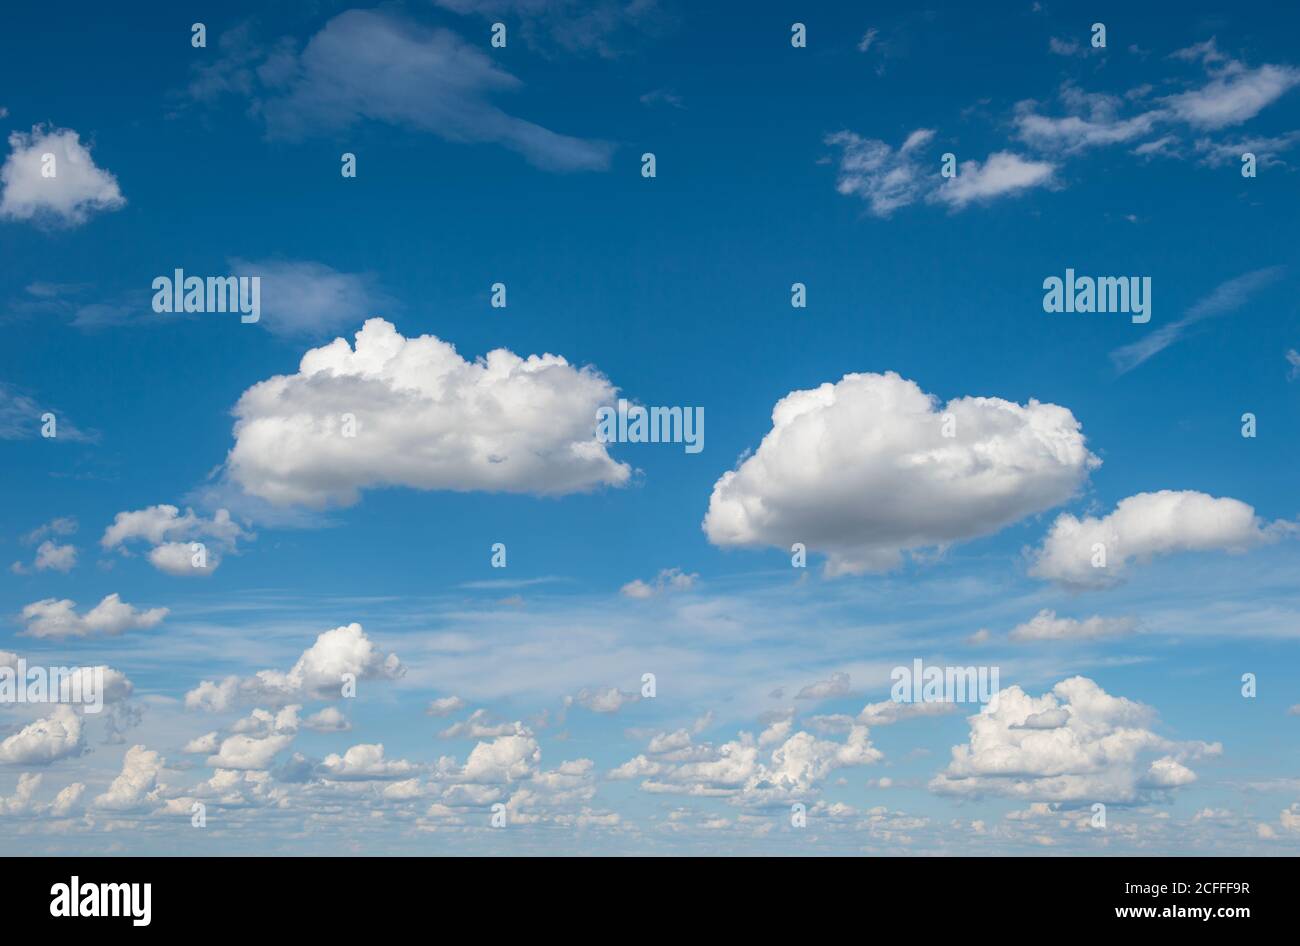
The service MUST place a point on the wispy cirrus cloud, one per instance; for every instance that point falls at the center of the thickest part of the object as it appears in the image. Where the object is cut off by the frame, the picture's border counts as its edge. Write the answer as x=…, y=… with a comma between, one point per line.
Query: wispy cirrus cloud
x=1226, y=297
x=367, y=65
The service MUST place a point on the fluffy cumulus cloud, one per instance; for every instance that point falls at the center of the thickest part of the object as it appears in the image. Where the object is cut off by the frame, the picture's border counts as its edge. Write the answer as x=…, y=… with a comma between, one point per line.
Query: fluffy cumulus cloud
x=137, y=785
x=74, y=190
x=504, y=759
x=1075, y=744
x=364, y=763
x=255, y=740
x=424, y=418
x=1046, y=626
x=1097, y=552
x=318, y=674
x=863, y=471
x=51, y=554
x=58, y=618
x=46, y=740
x=174, y=538
x=778, y=765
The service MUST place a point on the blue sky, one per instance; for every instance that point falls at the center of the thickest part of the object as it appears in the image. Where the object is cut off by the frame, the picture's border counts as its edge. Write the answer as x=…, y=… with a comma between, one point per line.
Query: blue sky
x=774, y=165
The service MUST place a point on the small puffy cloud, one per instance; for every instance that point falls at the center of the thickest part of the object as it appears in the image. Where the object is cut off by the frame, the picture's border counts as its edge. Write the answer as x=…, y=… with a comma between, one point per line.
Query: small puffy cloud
x=22, y=801
x=504, y=759
x=425, y=418
x=317, y=674
x=173, y=536
x=1002, y=174
x=137, y=786
x=445, y=706
x=1046, y=626
x=46, y=740
x=183, y=560
x=75, y=190
x=668, y=580
x=364, y=763
x=1075, y=743
x=202, y=745
x=862, y=470
x=480, y=726
x=50, y=556
x=58, y=618
x=1143, y=526
x=249, y=752
x=257, y=739
x=66, y=801
x=329, y=719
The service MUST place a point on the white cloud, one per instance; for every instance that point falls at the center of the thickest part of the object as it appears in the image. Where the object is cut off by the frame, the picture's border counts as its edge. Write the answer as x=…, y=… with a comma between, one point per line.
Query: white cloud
x=59, y=619
x=425, y=418
x=46, y=740
x=504, y=759
x=54, y=557
x=888, y=712
x=317, y=674
x=480, y=726
x=364, y=763
x=1236, y=96
x=1076, y=743
x=77, y=189
x=1046, y=626
x=740, y=771
x=329, y=719
x=885, y=178
x=861, y=470
x=137, y=786
x=1234, y=93
x=668, y=580
x=172, y=536
x=249, y=752
x=1094, y=120
x=202, y=745
x=1004, y=173
x=183, y=560
x=1143, y=526
x=445, y=706
x=21, y=801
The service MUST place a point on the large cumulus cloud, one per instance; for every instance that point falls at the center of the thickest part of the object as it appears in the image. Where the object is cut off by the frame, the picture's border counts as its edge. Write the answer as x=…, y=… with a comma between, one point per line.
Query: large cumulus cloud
x=862, y=470
x=424, y=418
x=1076, y=743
